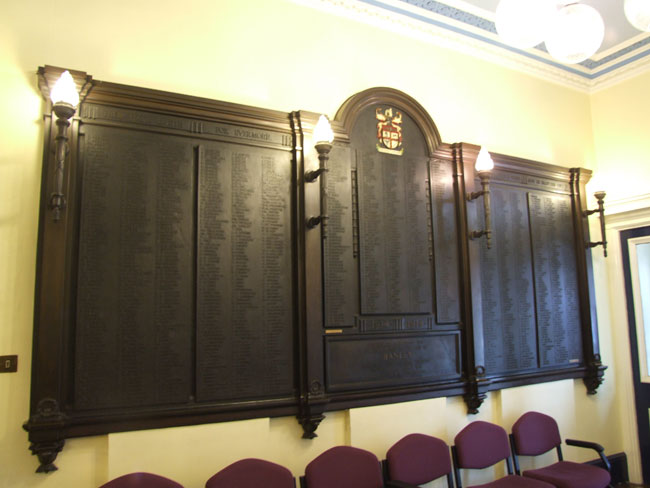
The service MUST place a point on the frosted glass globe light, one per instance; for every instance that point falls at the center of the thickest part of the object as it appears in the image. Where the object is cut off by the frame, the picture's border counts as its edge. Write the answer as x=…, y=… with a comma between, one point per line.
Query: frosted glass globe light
x=524, y=23
x=638, y=13
x=65, y=90
x=484, y=161
x=576, y=33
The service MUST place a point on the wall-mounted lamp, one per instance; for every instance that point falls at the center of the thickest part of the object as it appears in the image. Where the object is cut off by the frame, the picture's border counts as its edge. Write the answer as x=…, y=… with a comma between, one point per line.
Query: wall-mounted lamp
x=65, y=99
x=600, y=198
x=323, y=137
x=484, y=166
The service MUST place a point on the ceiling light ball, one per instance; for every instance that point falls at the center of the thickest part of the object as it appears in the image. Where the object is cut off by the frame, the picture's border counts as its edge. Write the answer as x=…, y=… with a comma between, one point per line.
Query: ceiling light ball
x=523, y=23
x=638, y=13
x=576, y=33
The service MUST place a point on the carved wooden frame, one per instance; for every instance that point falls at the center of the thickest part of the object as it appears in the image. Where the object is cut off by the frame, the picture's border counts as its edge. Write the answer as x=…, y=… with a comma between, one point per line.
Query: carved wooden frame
x=52, y=419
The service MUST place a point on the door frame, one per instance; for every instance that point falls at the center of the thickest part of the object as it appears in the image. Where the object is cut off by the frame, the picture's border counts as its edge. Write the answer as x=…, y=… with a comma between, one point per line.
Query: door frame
x=639, y=318
x=620, y=216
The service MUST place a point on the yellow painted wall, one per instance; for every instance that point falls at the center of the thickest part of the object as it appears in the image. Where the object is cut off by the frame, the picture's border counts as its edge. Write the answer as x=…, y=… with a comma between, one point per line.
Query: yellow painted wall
x=282, y=55
x=621, y=117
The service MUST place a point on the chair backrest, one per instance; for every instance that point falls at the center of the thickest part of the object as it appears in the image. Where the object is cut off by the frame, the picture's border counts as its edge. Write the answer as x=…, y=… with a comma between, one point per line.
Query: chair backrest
x=418, y=459
x=252, y=473
x=535, y=433
x=141, y=480
x=343, y=467
x=481, y=444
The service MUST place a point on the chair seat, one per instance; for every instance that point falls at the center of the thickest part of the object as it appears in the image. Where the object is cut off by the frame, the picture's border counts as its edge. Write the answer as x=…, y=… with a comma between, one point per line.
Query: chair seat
x=512, y=481
x=566, y=474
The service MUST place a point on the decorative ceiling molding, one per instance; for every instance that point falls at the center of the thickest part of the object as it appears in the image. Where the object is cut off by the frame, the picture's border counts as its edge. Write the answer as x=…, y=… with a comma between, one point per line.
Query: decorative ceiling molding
x=471, y=33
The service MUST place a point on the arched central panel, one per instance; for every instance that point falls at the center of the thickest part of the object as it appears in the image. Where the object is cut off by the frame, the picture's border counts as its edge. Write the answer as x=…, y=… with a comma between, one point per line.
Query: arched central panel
x=394, y=214
x=390, y=251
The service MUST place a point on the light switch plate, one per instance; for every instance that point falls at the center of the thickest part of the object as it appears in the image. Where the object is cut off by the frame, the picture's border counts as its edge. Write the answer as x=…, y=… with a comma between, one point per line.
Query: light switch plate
x=8, y=364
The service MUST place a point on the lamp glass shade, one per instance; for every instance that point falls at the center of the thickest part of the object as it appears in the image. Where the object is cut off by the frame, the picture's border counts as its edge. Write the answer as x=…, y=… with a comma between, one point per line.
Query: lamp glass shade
x=323, y=131
x=638, y=13
x=524, y=23
x=65, y=90
x=484, y=161
x=576, y=33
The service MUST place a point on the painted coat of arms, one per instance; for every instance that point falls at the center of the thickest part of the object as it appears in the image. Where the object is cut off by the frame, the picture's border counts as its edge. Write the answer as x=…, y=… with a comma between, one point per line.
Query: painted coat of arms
x=389, y=131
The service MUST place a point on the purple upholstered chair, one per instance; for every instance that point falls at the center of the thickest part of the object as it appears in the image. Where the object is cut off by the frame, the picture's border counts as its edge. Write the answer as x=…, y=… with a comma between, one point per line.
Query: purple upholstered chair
x=141, y=480
x=417, y=459
x=535, y=433
x=482, y=444
x=252, y=473
x=343, y=467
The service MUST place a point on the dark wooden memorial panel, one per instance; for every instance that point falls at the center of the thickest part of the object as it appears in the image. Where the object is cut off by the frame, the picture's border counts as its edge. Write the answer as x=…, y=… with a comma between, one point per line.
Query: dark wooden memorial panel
x=557, y=305
x=392, y=223
x=530, y=301
x=185, y=266
x=340, y=255
x=244, y=295
x=182, y=285
x=507, y=286
x=373, y=362
x=445, y=241
x=395, y=267
x=136, y=261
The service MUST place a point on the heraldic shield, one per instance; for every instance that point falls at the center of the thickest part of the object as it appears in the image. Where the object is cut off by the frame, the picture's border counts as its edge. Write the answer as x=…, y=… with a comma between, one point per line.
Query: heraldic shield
x=389, y=131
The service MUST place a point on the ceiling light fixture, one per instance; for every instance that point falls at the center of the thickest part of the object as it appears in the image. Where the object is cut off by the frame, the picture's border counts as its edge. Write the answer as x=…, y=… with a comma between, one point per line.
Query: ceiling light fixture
x=638, y=14
x=572, y=31
x=523, y=23
x=575, y=33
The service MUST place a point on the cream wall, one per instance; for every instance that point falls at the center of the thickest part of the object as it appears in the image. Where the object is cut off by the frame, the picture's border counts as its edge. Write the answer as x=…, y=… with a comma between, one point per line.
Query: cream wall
x=620, y=123
x=281, y=55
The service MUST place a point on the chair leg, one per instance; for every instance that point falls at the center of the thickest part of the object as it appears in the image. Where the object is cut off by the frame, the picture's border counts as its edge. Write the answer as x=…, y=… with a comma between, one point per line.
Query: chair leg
x=514, y=455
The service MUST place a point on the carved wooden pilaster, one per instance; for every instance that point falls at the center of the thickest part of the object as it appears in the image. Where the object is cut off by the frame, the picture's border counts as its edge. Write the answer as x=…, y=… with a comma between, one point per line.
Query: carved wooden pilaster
x=476, y=385
x=312, y=392
x=589, y=320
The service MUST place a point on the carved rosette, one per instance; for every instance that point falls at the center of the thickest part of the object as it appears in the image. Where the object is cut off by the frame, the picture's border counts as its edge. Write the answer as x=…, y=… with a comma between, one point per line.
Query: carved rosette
x=46, y=435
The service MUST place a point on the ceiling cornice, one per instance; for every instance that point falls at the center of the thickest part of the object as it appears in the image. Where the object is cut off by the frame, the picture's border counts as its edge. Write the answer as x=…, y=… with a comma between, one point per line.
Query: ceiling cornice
x=468, y=32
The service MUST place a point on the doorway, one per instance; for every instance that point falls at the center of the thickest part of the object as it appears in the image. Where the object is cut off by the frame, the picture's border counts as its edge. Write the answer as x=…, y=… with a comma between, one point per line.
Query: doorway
x=635, y=250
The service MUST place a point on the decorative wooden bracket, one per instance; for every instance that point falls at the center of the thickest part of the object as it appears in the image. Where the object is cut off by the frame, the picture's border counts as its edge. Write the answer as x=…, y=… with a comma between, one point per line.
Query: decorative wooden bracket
x=46, y=434
x=595, y=375
x=476, y=388
x=311, y=415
